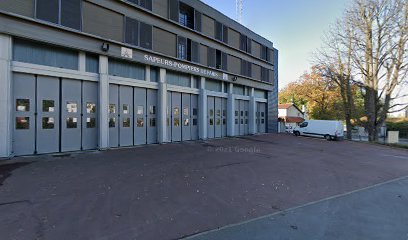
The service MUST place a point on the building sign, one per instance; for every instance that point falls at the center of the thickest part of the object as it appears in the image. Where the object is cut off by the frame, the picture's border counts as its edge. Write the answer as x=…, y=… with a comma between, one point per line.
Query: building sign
x=126, y=52
x=225, y=76
x=183, y=66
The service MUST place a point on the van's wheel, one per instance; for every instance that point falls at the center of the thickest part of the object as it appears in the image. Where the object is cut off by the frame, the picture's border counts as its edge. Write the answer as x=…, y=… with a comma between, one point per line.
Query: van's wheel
x=327, y=137
x=297, y=133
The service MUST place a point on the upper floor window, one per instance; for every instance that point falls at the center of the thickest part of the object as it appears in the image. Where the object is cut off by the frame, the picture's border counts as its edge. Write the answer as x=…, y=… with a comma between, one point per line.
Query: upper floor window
x=220, y=60
x=187, y=49
x=246, y=68
x=143, y=3
x=64, y=12
x=221, y=32
x=266, y=54
x=265, y=74
x=245, y=43
x=131, y=31
x=182, y=48
x=186, y=15
x=138, y=33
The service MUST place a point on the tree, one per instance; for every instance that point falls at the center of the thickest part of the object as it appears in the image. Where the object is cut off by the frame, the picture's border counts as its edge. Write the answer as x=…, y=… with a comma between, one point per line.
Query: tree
x=315, y=91
x=380, y=54
x=368, y=47
x=334, y=59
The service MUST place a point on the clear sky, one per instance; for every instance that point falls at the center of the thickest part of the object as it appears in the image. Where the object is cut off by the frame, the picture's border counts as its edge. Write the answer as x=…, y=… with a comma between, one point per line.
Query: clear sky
x=294, y=26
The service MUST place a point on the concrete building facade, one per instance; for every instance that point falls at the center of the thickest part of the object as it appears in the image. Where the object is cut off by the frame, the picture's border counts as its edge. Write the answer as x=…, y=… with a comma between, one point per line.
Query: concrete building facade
x=97, y=74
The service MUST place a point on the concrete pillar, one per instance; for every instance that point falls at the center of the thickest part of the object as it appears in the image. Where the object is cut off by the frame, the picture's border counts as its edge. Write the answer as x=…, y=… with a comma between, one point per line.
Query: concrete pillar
x=162, y=107
x=231, y=111
x=147, y=75
x=5, y=96
x=82, y=62
x=252, y=112
x=202, y=112
x=192, y=81
x=103, y=102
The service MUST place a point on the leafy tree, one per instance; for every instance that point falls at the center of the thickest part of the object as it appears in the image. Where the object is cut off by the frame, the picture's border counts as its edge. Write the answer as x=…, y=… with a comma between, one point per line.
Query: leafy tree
x=368, y=47
x=316, y=92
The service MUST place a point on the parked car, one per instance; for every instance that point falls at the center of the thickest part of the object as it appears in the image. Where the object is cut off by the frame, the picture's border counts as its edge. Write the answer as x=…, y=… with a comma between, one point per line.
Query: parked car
x=330, y=130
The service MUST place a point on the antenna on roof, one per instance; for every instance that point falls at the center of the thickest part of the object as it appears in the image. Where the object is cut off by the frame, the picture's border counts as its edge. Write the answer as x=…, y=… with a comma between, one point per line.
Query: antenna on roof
x=239, y=8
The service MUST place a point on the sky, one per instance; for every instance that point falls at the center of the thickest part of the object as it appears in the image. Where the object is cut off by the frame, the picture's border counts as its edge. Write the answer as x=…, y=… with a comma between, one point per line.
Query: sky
x=295, y=27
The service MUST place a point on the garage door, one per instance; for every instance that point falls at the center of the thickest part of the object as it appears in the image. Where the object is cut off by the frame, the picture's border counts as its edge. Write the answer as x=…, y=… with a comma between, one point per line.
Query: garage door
x=151, y=102
x=246, y=117
x=125, y=116
x=48, y=110
x=194, y=117
x=175, y=117
x=53, y=114
x=24, y=134
x=186, y=116
x=113, y=115
x=261, y=117
x=217, y=117
x=224, y=117
x=71, y=115
x=140, y=116
x=241, y=117
x=210, y=117
x=89, y=115
x=169, y=120
x=132, y=116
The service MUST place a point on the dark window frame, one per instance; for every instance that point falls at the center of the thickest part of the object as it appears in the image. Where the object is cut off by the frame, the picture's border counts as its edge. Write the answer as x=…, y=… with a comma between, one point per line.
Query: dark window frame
x=211, y=57
x=59, y=18
x=246, y=68
x=186, y=15
x=181, y=48
x=150, y=29
x=125, y=32
x=218, y=31
x=197, y=20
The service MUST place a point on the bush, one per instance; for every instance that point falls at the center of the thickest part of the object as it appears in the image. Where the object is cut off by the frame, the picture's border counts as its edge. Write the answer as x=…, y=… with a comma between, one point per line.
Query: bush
x=401, y=126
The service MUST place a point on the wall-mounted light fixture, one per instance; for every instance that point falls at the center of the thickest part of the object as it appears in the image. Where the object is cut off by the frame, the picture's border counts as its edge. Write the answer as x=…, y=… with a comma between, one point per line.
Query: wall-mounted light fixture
x=234, y=78
x=105, y=47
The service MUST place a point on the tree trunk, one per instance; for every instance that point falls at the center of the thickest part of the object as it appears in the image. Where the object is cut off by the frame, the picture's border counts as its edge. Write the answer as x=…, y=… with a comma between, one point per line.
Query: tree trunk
x=371, y=110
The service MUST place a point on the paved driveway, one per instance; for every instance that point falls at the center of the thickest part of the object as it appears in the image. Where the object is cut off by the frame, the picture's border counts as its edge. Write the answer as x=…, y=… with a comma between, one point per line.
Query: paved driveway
x=177, y=190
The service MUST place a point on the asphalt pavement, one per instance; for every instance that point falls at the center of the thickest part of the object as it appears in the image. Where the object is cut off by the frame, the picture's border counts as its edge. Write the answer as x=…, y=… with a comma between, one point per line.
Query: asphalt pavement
x=178, y=190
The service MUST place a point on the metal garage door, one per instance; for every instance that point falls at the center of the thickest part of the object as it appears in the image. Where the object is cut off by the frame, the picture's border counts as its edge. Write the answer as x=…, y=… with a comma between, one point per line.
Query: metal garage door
x=125, y=120
x=48, y=110
x=218, y=117
x=176, y=116
x=54, y=115
x=262, y=117
x=90, y=115
x=241, y=117
x=71, y=115
x=236, y=118
x=140, y=116
x=24, y=87
x=151, y=102
x=210, y=117
x=113, y=115
x=186, y=120
x=169, y=118
x=246, y=117
x=194, y=117
x=224, y=117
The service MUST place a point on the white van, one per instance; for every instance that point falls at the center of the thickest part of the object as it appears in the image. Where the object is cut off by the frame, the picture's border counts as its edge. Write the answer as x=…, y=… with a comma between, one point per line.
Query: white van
x=330, y=130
